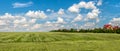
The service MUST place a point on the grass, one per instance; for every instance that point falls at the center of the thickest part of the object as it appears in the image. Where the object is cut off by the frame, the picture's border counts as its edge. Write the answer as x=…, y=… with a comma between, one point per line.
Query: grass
x=58, y=41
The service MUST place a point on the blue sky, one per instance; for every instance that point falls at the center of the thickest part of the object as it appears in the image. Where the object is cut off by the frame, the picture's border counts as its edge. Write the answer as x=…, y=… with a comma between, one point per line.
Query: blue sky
x=45, y=15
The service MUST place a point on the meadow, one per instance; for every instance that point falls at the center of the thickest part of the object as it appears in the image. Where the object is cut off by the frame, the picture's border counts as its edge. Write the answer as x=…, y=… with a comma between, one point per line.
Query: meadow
x=59, y=41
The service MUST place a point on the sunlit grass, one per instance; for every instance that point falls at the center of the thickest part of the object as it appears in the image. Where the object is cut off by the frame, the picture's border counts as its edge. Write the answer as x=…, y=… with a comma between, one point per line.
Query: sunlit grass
x=57, y=41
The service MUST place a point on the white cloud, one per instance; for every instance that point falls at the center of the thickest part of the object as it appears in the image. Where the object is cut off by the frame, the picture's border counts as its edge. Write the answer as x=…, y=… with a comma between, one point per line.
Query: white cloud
x=20, y=21
x=89, y=5
x=115, y=21
x=32, y=20
x=48, y=22
x=60, y=20
x=78, y=18
x=93, y=14
x=51, y=26
x=48, y=10
x=76, y=7
x=9, y=22
x=99, y=2
x=97, y=20
x=89, y=24
x=20, y=5
x=36, y=14
x=61, y=11
x=36, y=26
x=2, y=22
x=50, y=19
x=7, y=16
x=82, y=4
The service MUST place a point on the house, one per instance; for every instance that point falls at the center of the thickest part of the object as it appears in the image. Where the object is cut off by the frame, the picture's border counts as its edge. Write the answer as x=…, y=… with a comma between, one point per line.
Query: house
x=108, y=26
x=115, y=27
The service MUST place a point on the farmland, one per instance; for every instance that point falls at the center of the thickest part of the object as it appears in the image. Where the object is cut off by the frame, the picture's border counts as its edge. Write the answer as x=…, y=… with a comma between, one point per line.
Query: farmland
x=59, y=41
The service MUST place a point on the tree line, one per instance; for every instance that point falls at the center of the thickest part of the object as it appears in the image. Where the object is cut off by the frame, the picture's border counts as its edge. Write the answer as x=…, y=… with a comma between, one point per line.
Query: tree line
x=96, y=30
x=105, y=29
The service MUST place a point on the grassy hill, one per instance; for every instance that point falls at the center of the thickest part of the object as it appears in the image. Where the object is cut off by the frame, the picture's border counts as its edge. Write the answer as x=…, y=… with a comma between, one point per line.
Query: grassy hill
x=58, y=41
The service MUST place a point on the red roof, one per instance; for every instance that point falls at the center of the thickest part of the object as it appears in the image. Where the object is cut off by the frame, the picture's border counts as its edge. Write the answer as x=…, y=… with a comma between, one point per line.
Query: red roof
x=107, y=25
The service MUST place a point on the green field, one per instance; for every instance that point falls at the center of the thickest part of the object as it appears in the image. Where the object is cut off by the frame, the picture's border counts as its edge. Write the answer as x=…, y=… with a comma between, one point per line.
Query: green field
x=56, y=41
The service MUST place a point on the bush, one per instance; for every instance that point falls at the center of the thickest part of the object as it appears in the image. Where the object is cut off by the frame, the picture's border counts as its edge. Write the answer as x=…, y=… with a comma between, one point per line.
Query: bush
x=96, y=30
x=118, y=31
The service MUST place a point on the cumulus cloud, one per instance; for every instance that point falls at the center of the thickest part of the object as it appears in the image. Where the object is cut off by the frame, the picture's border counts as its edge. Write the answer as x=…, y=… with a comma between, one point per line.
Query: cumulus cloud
x=20, y=21
x=74, y=8
x=6, y=16
x=2, y=22
x=36, y=14
x=49, y=10
x=115, y=21
x=36, y=26
x=60, y=20
x=89, y=24
x=99, y=2
x=61, y=11
x=78, y=18
x=51, y=26
x=50, y=19
x=21, y=5
x=87, y=5
x=9, y=22
x=93, y=14
x=32, y=20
